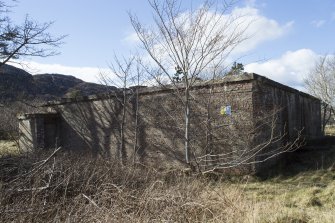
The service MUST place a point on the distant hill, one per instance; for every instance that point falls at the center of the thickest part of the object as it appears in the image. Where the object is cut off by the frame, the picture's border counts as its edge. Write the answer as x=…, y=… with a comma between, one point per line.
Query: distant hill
x=17, y=84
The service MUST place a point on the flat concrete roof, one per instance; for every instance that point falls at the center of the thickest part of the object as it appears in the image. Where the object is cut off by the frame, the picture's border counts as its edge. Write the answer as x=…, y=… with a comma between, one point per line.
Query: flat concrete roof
x=142, y=90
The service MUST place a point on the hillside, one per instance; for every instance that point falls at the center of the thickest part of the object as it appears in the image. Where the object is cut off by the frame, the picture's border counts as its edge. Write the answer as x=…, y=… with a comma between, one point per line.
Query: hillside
x=17, y=84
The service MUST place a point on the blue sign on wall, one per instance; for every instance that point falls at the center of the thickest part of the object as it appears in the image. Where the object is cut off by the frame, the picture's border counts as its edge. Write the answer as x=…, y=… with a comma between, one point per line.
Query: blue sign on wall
x=225, y=110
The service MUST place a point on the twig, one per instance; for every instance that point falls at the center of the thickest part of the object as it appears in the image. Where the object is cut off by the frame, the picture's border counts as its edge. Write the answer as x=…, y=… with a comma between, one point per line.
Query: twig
x=31, y=189
x=91, y=201
x=38, y=167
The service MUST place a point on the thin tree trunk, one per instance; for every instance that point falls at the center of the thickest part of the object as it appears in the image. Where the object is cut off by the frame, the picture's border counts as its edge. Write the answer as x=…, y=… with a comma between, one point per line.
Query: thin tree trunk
x=187, y=125
x=12, y=54
x=136, y=126
x=123, y=119
x=209, y=138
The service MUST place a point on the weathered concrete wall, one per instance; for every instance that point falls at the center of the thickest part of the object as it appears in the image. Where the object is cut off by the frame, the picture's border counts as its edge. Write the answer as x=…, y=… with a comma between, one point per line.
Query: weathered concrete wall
x=94, y=123
x=297, y=113
x=211, y=132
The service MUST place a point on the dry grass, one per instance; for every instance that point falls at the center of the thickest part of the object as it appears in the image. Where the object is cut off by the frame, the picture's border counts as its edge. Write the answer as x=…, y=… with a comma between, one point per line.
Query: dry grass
x=8, y=147
x=330, y=130
x=66, y=188
x=306, y=197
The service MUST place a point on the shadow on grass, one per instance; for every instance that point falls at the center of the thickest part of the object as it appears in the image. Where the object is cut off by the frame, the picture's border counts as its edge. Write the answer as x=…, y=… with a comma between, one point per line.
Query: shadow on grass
x=317, y=154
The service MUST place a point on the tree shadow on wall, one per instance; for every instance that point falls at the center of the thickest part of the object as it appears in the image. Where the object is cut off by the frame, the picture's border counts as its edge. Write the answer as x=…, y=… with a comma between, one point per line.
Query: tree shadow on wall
x=91, y=126
x=163, y=120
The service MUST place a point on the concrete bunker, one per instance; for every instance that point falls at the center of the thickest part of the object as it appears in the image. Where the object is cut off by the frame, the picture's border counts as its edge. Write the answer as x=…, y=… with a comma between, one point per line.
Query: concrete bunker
x=227, y=117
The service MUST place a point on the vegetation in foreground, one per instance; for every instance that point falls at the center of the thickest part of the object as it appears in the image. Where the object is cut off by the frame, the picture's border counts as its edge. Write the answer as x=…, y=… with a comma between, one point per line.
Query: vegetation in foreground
x=8, y=147
x=330, y=130
x=61, y=187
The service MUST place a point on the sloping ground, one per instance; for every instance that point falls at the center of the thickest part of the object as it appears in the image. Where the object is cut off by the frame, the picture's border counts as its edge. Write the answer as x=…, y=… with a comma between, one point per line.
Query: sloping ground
x=21, y=92
x=304, y=191
x=66, y=188
x=17, y=84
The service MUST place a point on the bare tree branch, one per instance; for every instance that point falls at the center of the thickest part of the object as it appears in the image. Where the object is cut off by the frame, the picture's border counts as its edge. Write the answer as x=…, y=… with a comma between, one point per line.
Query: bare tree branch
x=30, y=39
x=188, y=43
x=320, y=82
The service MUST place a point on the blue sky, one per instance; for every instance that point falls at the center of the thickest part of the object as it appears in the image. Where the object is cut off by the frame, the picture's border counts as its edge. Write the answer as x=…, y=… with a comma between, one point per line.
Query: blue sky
x=288, y=34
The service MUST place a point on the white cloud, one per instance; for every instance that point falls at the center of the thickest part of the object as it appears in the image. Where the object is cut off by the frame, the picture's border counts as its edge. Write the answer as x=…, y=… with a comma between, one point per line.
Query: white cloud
x=261, y=29
x=132, y=38
x=88, y=74
x=318, y=23
x=255, y=3
x=290, y=69
x=251, y=3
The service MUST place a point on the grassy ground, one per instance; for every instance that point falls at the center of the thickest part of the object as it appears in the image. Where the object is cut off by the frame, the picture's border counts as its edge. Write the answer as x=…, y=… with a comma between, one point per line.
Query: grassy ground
x=302, y=191
x=306, y=197
x=66, y=188
x=330, y=130
x=8, y=147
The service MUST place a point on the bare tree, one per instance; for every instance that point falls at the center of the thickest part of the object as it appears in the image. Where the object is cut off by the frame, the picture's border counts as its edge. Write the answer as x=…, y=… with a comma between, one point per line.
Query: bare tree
x=137, y=81
x=186, y=44
x=246, y=151
x=30, y=39
x=125, y=74
x=320, y=82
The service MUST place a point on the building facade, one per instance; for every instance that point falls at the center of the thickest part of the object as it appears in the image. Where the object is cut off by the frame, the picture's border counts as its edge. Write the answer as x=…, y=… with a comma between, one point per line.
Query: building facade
x=242, y=121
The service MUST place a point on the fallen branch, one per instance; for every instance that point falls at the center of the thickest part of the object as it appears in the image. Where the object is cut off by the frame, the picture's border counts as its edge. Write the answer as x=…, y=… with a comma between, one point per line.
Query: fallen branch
x=91, y=201
x=43, y=162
